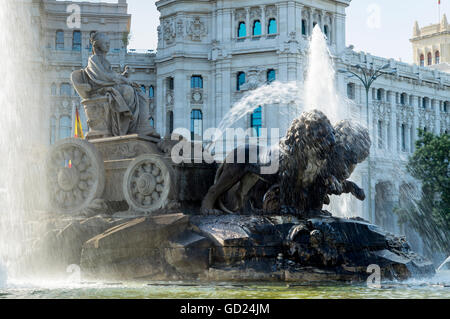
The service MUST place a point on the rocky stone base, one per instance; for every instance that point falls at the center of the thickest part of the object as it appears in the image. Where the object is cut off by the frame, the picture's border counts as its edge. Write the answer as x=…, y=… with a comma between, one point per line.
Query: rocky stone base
x=233, y=248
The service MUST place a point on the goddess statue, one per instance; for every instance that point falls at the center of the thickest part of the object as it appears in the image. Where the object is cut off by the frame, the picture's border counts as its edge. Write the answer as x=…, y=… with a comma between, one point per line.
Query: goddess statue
x=114, y=105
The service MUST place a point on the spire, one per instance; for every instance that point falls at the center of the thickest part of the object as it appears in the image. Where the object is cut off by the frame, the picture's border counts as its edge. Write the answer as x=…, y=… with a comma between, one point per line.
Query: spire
x=444, y=23
x=416, y=31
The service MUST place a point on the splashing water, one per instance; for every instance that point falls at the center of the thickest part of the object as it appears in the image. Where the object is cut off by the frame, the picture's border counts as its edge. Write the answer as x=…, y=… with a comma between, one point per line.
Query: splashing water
x=23, y=133
x=291, y=98
x=320, y=84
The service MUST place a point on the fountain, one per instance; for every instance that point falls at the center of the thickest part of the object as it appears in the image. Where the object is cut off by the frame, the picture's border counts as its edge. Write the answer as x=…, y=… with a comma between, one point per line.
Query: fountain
x=120, y=208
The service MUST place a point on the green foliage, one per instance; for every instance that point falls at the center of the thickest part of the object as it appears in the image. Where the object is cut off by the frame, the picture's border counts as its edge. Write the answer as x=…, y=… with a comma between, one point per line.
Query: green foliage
x=126, y=37
x=430, y=216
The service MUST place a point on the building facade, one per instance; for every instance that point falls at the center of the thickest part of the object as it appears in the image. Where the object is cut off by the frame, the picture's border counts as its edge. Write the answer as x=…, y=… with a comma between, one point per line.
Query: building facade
x=211, y=53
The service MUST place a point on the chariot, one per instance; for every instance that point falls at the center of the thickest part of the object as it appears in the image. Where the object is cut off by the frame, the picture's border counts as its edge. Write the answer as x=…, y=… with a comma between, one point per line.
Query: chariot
x=134, y=173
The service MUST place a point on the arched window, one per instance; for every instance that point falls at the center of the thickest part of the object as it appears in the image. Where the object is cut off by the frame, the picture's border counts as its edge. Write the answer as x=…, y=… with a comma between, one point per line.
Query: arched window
x=196, y=82
x=196, y=125
x=304, y=27
x=425, y=102
x=76, y=41
x=326, y=31
x=53, y=89
x=430, y=59
x=65, y=90
x=65, y=127
x=351, y=91
x=152, y=122
x=257, y=28
x=437, y=57
x=59, y=40
x=240, y=80
x=422, y=60
x=143, y=89
x=256, y=122
x=52, y=130
x=151, y=92
x=242, y=30
x=272, y=27
x=271, y=75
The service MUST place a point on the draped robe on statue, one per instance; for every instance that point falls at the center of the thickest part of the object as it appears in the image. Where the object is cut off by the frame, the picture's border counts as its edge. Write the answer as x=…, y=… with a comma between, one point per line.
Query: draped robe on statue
x=125, y=100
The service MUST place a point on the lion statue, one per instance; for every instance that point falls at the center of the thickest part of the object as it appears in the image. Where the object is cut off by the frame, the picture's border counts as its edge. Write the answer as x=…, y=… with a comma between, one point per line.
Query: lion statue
x=303, y=155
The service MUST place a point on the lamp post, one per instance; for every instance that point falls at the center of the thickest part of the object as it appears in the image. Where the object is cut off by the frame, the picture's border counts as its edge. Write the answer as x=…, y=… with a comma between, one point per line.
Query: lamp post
x=367, y=76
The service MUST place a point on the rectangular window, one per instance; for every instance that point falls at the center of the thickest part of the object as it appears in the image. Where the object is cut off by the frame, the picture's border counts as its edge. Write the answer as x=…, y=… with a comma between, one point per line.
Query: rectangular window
x=170, y=83
x=196, y=82
x=76, y=44
x=304, y=27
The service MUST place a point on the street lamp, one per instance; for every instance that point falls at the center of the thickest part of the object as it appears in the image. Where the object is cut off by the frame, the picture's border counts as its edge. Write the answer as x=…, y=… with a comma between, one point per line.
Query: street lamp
x=367, y=76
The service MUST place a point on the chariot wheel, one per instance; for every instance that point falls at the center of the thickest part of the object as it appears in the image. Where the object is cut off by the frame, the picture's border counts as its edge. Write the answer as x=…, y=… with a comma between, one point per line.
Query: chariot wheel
x=148, y=183
x=75, y=175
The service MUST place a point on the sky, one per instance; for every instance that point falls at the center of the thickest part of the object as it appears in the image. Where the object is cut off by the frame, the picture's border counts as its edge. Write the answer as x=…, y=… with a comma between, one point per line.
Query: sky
x=380, y=27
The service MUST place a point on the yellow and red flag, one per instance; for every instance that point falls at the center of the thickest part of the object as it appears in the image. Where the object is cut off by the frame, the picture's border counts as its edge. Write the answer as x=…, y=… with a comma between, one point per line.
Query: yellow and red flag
x=78, y=126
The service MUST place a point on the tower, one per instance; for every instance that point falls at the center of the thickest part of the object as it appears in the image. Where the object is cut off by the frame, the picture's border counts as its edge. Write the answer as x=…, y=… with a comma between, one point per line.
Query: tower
x=431, y=45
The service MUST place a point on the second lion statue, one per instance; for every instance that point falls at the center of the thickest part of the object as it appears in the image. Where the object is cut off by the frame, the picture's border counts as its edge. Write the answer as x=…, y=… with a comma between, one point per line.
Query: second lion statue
x=315, y=161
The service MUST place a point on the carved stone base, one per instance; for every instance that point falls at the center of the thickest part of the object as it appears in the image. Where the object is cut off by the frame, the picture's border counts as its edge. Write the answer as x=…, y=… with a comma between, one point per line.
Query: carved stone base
x=97, y=114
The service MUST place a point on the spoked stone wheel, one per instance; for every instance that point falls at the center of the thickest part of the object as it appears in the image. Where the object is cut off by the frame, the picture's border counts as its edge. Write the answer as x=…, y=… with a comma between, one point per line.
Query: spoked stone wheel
x=75, y=175
x=148, y=183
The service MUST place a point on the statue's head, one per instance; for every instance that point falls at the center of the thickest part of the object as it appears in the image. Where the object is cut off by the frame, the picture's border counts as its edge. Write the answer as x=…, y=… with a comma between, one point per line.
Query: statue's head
x=352, y=147
x=100, y=43
x=314, y=131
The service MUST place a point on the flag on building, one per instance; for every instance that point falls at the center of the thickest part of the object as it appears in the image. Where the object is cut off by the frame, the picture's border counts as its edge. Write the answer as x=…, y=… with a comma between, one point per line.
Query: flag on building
x=78, y=126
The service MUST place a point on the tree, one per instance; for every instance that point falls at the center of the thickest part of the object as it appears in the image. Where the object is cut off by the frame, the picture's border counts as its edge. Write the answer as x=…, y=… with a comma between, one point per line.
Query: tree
x=430, y=216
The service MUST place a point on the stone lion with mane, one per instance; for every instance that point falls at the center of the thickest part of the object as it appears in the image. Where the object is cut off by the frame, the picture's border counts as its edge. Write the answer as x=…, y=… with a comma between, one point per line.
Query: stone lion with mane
x=303, y=154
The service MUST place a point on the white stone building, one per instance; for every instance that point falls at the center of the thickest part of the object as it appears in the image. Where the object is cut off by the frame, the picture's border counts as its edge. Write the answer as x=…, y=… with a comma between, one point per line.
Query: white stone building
x=211, y=52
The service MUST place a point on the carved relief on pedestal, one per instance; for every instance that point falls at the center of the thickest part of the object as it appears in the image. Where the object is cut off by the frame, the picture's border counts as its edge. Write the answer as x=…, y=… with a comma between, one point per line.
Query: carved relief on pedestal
x=197, y=29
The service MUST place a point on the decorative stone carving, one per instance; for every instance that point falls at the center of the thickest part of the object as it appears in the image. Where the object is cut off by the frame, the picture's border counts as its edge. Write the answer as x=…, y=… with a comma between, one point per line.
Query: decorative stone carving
x=169, y=98
x=254, y=80
x=197, y=29
x=240, y=15
x=197, y=96
x=75, y=175
x=180, y=28
x=255, y=13
x=148, y=183
x=271, y=12
x=169, y=31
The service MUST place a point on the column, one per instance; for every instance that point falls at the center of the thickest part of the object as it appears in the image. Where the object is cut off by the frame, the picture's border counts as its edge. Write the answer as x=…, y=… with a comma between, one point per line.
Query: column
x=291, y=17
x=264, y=24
